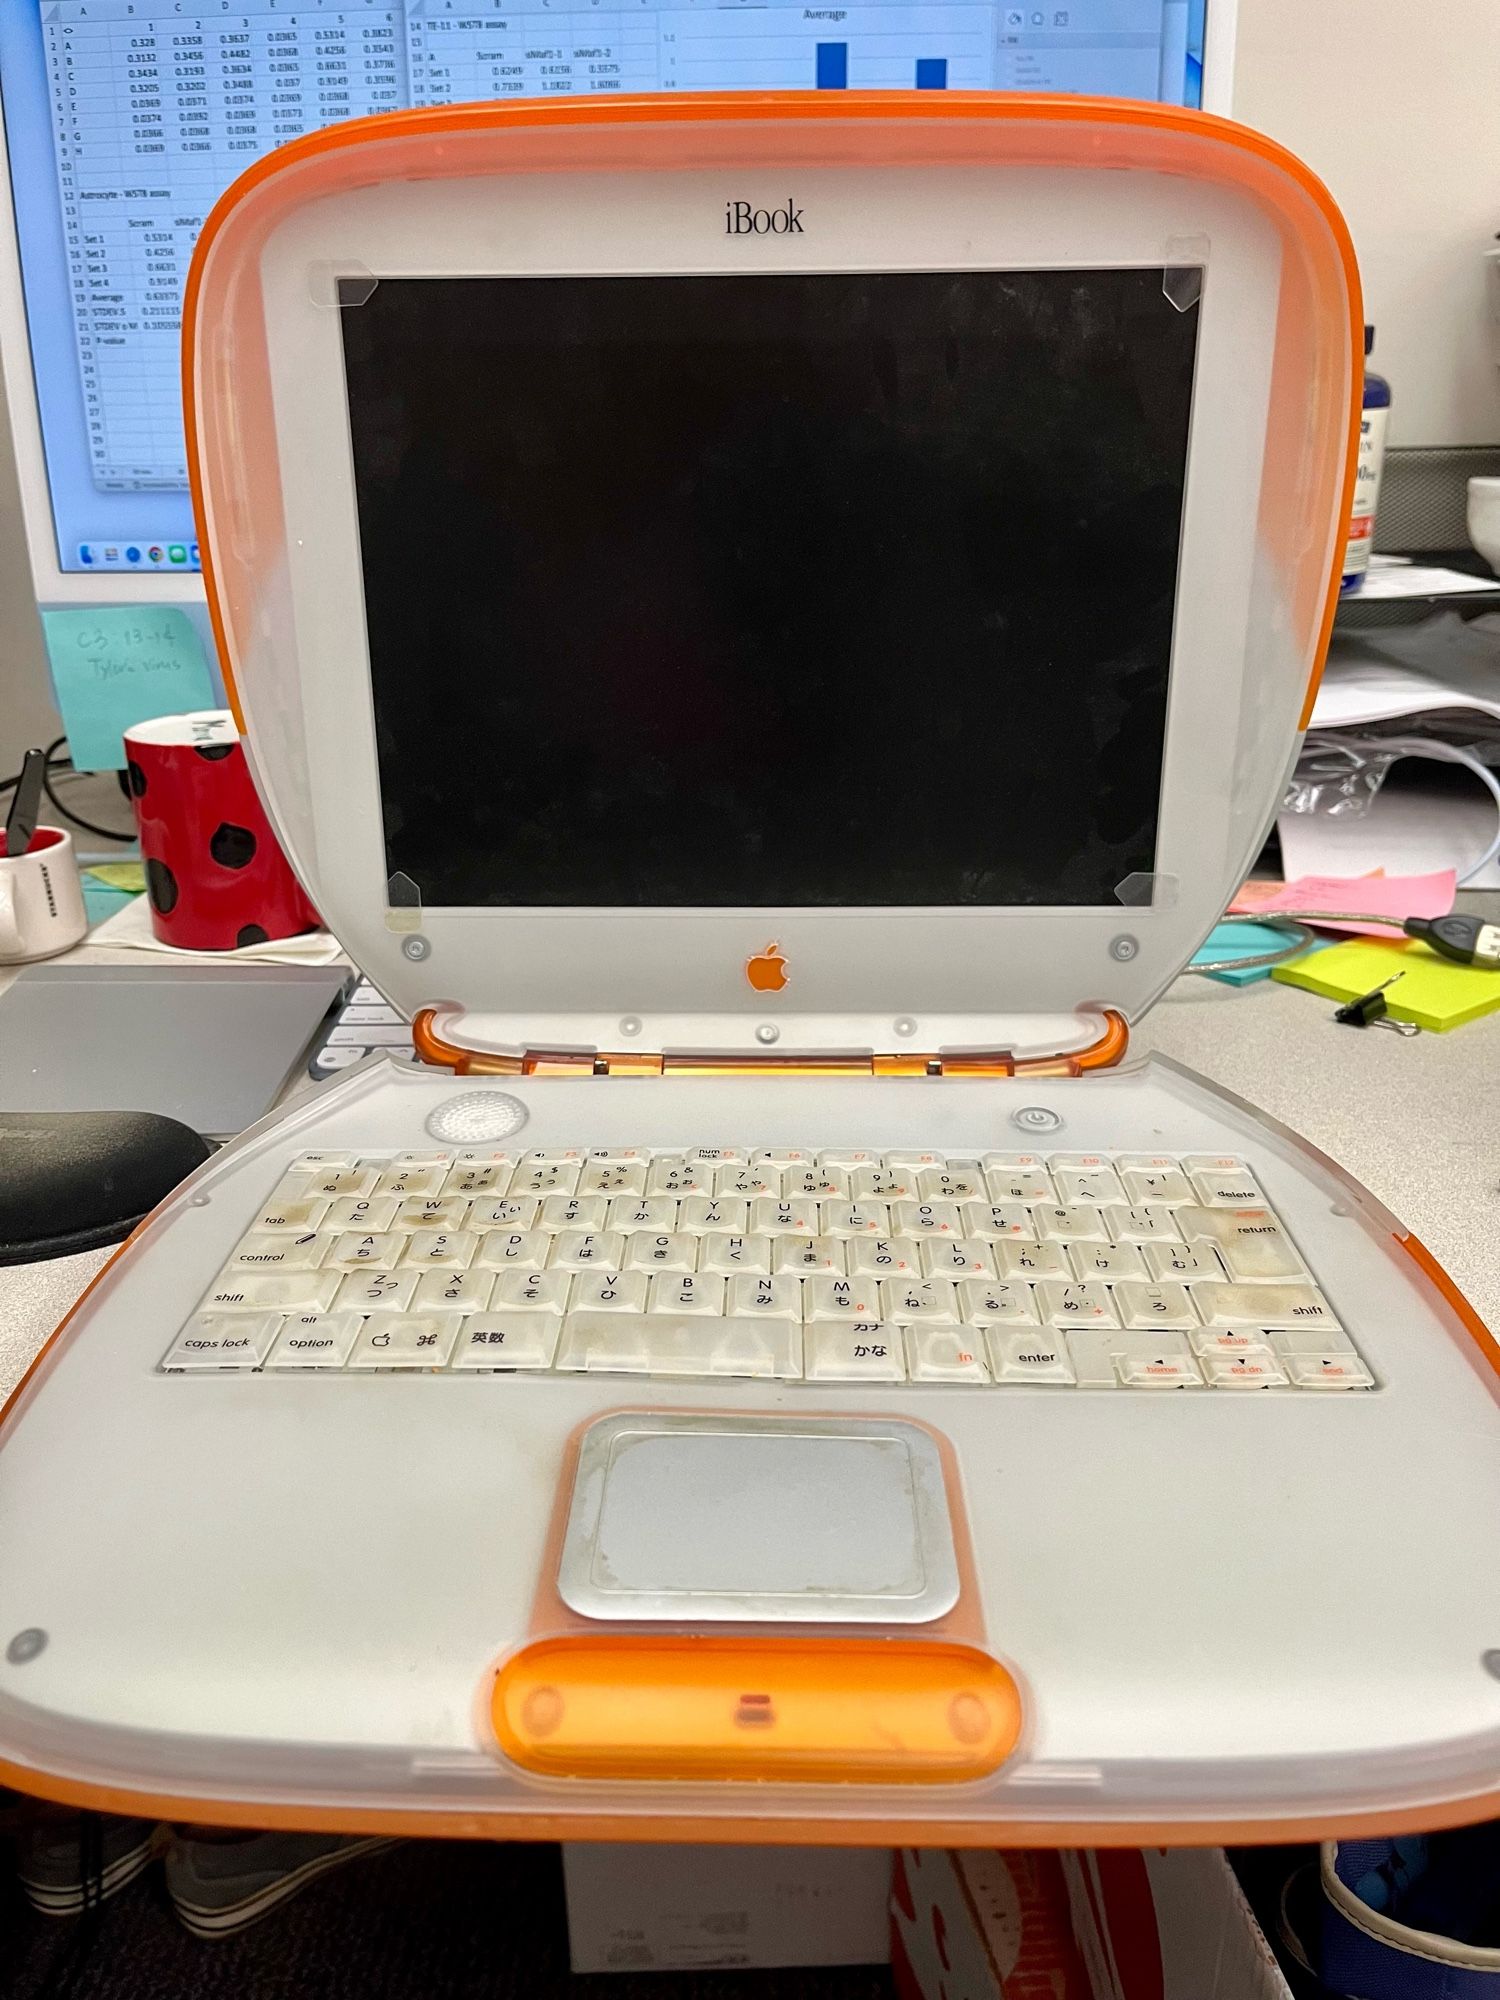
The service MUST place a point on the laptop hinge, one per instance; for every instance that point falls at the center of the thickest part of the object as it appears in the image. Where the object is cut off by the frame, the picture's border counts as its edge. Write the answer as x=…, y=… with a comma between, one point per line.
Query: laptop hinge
x=434, y=1049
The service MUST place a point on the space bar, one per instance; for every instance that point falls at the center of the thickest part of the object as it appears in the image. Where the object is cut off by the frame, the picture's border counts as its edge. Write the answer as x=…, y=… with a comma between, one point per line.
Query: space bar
x=666, y=1344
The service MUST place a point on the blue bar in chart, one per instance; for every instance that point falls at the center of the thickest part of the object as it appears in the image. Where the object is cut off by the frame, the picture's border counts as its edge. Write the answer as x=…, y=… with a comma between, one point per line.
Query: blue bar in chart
x=833, y=65
x=932, y=72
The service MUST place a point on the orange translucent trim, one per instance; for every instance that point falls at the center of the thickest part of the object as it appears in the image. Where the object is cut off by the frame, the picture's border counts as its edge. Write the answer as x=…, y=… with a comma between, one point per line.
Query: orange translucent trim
x=435, y=1050
x=652, y=1706
x=1163, y=133
x=1433, y=1271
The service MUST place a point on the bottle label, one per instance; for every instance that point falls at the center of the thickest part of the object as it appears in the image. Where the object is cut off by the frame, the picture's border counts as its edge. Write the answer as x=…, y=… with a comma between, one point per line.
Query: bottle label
x=1366, y=490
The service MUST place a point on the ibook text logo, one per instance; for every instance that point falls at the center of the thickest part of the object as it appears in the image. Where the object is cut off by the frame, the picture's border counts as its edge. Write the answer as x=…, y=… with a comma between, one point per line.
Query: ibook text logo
x=741, y=218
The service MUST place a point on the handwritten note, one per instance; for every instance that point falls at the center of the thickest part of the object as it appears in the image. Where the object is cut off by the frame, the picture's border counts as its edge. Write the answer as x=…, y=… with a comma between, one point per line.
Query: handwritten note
x=1380, y=895
x=120, y=666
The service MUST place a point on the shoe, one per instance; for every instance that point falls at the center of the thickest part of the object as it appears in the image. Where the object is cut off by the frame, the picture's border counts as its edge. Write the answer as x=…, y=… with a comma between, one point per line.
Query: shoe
x=71, y=1861
x=221, y=1882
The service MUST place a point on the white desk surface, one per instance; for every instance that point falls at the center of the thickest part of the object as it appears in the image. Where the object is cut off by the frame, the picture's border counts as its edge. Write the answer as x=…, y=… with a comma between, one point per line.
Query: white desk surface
x=1417, y=1119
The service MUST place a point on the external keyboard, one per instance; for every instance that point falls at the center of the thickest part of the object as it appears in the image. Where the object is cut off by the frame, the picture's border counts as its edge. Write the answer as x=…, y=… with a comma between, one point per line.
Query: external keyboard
x=1131, y=1270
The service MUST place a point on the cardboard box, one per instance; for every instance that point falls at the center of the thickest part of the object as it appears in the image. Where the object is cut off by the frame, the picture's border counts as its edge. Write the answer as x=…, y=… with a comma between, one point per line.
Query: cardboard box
x=639, y=1908
x=1105, y=1924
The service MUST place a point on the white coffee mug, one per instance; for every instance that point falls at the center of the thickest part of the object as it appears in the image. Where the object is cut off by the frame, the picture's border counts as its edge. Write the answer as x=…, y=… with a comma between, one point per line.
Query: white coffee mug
x=41, y=898
x=1484, y=519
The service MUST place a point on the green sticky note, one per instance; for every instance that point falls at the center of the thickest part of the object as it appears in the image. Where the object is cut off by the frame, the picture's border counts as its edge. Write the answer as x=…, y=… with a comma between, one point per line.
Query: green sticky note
x=129, y=876
x=120, y=666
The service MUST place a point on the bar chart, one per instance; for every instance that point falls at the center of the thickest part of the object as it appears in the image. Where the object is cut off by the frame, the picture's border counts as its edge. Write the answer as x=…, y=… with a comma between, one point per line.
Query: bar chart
x=881, y=47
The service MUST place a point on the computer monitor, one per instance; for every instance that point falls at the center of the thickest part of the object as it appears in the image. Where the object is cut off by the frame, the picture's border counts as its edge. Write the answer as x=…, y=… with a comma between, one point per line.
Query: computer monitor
x=123, y=120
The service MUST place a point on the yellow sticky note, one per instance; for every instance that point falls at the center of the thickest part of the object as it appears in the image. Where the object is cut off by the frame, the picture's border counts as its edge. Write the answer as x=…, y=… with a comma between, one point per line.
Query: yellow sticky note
x=1432, y=991
x=127, y=875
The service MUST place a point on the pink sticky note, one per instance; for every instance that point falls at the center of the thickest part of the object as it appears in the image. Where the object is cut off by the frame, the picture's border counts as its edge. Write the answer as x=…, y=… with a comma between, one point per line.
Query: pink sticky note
x=1395, y=896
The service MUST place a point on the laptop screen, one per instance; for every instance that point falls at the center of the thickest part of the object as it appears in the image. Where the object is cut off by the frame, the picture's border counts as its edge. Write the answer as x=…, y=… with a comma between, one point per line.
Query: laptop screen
x=779, y=590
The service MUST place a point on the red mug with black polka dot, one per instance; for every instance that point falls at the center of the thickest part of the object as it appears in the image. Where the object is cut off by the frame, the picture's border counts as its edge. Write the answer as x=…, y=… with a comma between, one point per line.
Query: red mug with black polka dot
x=216, y=877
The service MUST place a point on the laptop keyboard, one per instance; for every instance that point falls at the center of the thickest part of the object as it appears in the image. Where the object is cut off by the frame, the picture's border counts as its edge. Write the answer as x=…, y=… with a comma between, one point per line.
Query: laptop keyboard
x=1127, y=1271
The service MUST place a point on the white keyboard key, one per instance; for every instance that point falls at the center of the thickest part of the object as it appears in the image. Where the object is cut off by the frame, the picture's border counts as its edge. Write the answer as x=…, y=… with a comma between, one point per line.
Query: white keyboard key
x=848, y=1158
x=320, y=1163
x=884, y=1257
x=351, y=1250
x=301, y=1213
x=609, y=1291
x=453, y=1291
x=770, y=1216
x=652, y=1213
x=675, y=1344
x=315, y=1340
x=572, y=1211
x=1077, y=1162
x=1094, y=1187
x=1158, y=1186
x=671, y=1174
x=1256, y=1368
x=1181, y=1260
x=670, y=1252
x=856, y=1218
x=1032, y=1261
x=500, y=1247
x=222, y=1340
x=746, y=1183
x=377, y=1291
x=834, y=1298
x=718, y=1156
x=945, y=1354
x=957, y=1257
x=925, y=1218
x=555, y=1156
x=883, y=1184
x=1106, y=1260
x=452, y=1248
x=1158, y=1371
x=677, y=1293
x=612, y=1177
x=1264, y=1305
x=996, y=1221
x=531, y=1291
x=1150, y=1223
x=1147, y=1163
x=580, y=1249
x=998, y=1302
x=806, y=1256
x=415, y=1157
x=1030, y=1160
x=946, y=1184
x=1069, y=1224
x=445, y=1211
x=508, y=1341
x=406, y=1340
x=1218, y=1340
x=860, y=1351
x=729, y=1256
x=713, y=1215
x=778, y=1298
x=1212, y=1163
x=918, y=1163
x=1027, y=1184
x=1075, y=1305
x=617, y=1155
x=534, y=1177
x=1328, y=1371
x=923, y=1298
x=1251, y=1242
x=516, y=1211
x=375, y=1212
x=1034, y=1356
x=268, y=1250
x=273, y=1291
x=476, y=1177
x=815, y=1184
x=330, y=1181
x=1146, y=1305
x=773, y=1156
x=406, y=1181
x=1289, y=1340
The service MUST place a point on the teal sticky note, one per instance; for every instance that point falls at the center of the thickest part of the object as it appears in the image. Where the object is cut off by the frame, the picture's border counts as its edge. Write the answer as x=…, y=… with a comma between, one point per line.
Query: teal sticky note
x=119, y=666
x=1242, y=940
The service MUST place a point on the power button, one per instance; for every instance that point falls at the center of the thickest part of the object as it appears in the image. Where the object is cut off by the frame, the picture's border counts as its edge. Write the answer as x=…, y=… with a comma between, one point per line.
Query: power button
x=1036, y=1118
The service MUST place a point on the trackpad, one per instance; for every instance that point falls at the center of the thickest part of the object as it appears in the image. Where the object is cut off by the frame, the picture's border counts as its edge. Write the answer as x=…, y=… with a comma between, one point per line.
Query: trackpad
x=688, y=1518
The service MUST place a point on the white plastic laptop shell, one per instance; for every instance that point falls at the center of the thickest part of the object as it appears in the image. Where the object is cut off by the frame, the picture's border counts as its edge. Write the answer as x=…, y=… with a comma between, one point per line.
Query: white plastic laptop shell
x=300, y=1600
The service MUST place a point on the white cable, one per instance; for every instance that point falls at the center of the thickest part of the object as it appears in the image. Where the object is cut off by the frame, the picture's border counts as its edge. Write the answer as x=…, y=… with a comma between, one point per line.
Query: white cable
x=1423, y=746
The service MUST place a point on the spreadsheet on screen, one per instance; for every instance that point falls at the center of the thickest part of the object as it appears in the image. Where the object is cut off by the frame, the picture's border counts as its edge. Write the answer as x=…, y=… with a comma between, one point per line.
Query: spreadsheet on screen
x=125, y=119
